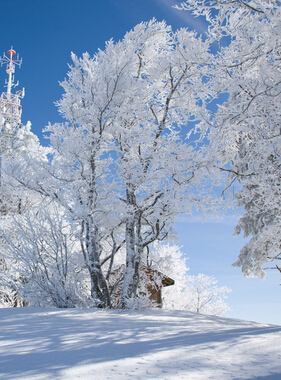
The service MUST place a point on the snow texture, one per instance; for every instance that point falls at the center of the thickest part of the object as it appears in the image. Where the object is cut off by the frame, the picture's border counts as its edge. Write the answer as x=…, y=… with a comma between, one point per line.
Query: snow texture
x=45, y=344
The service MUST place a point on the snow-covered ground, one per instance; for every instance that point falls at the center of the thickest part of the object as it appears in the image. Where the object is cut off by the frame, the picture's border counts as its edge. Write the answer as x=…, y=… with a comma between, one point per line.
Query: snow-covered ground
x=157, y=344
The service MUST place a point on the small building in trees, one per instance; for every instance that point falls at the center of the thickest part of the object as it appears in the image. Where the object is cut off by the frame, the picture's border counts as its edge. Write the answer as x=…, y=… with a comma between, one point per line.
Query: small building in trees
x=150, y=285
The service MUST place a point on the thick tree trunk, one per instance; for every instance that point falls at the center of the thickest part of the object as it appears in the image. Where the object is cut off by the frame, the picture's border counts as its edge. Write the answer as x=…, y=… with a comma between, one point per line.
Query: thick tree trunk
x=99, y=288
x=133, y=250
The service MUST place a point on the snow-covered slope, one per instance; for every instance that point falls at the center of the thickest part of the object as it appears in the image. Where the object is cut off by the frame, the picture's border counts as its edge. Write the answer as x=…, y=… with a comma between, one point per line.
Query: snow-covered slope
x=159, y=344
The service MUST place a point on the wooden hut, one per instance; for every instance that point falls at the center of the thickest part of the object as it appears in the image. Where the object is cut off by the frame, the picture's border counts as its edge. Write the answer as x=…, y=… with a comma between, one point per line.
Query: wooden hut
x=151, y=282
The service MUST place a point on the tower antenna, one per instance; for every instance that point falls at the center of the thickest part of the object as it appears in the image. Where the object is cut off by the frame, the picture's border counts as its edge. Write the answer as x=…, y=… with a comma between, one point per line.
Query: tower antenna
x=10, y=107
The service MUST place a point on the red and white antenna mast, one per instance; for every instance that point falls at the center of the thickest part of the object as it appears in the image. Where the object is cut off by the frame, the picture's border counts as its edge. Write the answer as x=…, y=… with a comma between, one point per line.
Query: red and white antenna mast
x=10, y=107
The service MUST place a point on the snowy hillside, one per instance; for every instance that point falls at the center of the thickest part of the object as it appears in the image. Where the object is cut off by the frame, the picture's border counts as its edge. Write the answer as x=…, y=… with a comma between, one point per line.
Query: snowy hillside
x=159, y=344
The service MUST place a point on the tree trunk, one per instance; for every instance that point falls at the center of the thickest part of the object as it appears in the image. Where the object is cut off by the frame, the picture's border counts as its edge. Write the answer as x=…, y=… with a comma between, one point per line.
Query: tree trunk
x=133, y=249
x=99, y=288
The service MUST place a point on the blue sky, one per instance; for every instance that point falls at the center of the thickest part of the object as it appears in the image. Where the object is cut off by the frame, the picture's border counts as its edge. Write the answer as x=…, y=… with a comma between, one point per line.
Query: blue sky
x=44, y=33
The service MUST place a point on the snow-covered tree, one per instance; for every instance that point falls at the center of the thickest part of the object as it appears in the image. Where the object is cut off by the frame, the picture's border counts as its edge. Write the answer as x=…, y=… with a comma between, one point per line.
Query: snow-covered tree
x=204, y=296
x=246, y=129
x=17, y=152
x=120, y=167
x=157, y=169
x=43, y=265
x=22, y=148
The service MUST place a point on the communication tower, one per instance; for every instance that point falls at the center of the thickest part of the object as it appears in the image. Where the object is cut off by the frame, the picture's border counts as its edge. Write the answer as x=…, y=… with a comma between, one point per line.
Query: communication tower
x=10, y=107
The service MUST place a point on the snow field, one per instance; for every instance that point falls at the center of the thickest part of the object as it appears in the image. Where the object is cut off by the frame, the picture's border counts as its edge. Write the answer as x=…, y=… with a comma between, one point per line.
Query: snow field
x=57, y=344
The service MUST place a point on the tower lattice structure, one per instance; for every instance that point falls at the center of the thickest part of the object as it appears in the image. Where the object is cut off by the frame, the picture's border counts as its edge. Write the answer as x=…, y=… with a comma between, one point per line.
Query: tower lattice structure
x=10, y=104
